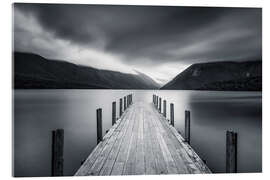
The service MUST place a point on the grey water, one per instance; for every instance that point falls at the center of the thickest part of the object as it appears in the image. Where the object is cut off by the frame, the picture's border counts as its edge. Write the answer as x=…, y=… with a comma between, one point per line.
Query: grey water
x=38, y=112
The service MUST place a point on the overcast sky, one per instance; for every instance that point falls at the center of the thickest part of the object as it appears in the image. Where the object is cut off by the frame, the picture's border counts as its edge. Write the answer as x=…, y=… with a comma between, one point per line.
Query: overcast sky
x=158, y=41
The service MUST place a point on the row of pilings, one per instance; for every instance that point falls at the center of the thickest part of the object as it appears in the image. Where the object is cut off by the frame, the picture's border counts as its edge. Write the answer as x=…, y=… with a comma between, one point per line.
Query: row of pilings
x=57, y=159
x=231, y=137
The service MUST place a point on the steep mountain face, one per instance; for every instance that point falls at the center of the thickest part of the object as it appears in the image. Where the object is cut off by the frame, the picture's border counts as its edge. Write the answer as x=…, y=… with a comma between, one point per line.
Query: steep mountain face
x=32, y=71
x=227, y=76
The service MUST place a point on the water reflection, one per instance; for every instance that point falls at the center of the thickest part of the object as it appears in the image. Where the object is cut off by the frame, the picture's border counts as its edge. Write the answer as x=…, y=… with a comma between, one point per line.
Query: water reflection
x=37, y=112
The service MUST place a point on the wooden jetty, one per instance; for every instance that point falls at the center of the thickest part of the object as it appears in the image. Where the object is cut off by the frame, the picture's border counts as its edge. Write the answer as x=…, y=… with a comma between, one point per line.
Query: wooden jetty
x=142, y=141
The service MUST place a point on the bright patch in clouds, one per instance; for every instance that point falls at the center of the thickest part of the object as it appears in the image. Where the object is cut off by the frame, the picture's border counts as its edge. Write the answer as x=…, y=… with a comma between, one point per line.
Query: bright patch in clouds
x=157, y=41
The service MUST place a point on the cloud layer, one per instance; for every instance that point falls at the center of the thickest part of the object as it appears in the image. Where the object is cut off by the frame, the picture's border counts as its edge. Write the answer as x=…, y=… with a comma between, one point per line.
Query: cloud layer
x=160, y=41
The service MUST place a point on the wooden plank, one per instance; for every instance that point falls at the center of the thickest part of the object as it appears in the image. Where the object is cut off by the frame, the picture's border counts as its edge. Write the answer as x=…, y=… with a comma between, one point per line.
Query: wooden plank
x=98, y=164
x=171, y=166
x=118, y=166
x=183, y=164
x=187, y=153
x=142, y=142
x=139, y=164
x=169, y=140
x=98, y=149
x=150, y=163
x=129, y=167
x=108, y=165
x=161, y=167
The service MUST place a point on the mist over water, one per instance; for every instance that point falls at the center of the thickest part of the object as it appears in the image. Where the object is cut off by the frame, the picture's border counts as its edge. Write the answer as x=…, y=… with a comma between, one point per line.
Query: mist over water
x=38, y=112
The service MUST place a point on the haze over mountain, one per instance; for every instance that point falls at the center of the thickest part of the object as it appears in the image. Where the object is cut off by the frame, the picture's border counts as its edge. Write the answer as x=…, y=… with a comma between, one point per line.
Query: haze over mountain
x=32, y=71
x=231, y=76
x=160, y=41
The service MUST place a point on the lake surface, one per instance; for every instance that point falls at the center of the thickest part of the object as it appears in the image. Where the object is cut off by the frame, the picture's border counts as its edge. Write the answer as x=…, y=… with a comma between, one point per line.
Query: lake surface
x=38, y=112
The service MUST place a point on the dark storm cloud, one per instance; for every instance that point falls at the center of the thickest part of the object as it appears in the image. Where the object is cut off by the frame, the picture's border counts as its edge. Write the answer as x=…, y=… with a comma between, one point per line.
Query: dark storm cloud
x=156, y=34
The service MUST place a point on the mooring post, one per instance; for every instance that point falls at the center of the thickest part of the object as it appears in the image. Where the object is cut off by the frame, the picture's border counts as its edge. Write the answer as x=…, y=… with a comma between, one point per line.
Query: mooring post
x=172, y=114
x=120, y=107
x=187, y=126
x=156, y=101
x=128, y=100
x=153, y=101
x=57, y=152
x=125, y=103
x=231, y=152
x=131, y=98
x=159, y=108
x=164, y=108
x=99, y=125
x=113, y=113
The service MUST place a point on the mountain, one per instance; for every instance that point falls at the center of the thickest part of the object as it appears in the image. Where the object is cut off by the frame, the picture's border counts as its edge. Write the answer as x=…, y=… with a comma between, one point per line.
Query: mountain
x=147, y=79
x=32, y=71
x=223, y=76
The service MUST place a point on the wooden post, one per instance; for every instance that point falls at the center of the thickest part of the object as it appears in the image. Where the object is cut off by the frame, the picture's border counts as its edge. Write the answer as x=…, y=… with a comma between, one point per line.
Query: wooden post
x=153, y=101
x=125, y=103
x=231, y=152
x=164, y=108
x=156, y=104
x=187, y=126
x=131, y=101
x=120, y=107
x=57, y=152
x=99, y=125
x=113, y=113
x=172, y=114
x=128, y=99
x=159, y=108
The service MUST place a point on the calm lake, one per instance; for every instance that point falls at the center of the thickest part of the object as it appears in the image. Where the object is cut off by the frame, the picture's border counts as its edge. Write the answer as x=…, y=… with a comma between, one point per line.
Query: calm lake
x=38, y=112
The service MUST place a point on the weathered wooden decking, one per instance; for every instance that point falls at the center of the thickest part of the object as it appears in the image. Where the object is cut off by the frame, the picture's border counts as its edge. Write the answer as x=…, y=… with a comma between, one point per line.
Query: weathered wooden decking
x=142, y=142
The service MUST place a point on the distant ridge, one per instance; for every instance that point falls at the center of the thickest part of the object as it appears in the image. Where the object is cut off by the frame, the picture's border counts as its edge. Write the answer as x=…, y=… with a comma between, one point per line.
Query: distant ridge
x=220, y=76
x=32, y=71
x=147, y=79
